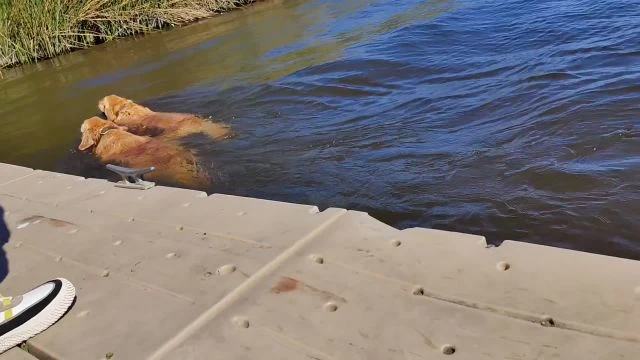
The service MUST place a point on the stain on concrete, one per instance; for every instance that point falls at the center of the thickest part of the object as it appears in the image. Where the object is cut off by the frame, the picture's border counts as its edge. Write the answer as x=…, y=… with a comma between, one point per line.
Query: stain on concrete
x=285, y=284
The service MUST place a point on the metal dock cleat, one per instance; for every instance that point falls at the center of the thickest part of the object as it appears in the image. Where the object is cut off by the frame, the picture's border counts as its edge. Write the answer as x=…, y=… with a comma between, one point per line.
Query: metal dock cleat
x=132, y=178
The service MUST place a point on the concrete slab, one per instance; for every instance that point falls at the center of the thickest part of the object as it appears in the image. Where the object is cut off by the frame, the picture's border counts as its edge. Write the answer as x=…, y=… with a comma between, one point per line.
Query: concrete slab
x=53, y=188
x=185, y=264
x=331, y=314
x=170, y=273
x=110, y=315
x=270, y=223
x=142, y=204
x=155, y=261
x=9, y=173
x=512, y=277
x=348, y=295
x=16, y=354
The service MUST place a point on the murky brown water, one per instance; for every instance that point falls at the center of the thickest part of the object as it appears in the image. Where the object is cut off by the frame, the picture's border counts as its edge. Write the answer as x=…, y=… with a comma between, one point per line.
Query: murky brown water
x=511, y=119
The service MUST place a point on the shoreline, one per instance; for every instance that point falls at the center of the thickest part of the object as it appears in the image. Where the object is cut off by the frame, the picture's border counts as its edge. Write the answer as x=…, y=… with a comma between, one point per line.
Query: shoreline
x=83, y=26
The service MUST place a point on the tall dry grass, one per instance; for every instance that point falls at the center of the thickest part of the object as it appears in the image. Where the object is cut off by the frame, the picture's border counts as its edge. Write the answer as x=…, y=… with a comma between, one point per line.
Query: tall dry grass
x=36, y=29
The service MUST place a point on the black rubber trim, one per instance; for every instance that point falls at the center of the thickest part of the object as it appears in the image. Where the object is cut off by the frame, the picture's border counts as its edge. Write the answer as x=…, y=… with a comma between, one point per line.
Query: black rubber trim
x=30, y=312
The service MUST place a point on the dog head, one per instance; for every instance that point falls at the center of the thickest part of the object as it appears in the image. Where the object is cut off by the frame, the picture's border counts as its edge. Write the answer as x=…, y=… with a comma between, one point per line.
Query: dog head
x=92, y=129
x=111, y=105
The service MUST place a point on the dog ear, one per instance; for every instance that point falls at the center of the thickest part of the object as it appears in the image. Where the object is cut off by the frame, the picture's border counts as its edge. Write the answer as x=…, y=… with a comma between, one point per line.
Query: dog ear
x=87, y=141
x=107, y=109
x=101, y=104
x=109, y=106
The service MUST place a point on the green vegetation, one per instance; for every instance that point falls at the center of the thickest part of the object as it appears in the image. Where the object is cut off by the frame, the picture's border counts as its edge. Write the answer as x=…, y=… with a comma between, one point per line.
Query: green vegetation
x=39, y=29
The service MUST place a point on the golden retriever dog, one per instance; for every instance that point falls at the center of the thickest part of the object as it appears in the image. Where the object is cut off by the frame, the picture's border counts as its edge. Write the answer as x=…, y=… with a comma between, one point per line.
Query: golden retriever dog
x=141, y=120
x=112, y=143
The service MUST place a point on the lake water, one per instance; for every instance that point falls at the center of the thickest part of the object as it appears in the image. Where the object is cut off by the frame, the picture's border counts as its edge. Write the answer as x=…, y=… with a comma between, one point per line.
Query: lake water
x=510, y=119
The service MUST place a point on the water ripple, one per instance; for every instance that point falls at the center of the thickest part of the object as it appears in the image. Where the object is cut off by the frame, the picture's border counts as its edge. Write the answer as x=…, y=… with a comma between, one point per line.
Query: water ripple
x=512, y=119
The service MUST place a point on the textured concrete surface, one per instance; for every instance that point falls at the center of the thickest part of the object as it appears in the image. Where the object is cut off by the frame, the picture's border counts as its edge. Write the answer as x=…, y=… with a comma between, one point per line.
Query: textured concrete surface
x=175, y=274
x=17, y=354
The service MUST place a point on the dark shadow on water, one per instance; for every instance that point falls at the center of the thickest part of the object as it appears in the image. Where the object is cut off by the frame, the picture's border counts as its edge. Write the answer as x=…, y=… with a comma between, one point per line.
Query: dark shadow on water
x=4, y=238
x=79, y=163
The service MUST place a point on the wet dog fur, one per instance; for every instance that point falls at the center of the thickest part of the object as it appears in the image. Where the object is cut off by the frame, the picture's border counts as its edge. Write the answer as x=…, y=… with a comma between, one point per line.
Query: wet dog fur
x=141, y=120
x=112, y=143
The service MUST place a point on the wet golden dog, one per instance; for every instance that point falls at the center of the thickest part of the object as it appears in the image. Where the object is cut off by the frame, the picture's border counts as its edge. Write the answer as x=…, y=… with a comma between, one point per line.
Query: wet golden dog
x=141, y=120
x=112, y=143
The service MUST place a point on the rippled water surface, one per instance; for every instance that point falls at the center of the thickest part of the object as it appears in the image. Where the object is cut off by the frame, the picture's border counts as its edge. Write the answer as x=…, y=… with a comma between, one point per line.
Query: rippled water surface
x=510, y=119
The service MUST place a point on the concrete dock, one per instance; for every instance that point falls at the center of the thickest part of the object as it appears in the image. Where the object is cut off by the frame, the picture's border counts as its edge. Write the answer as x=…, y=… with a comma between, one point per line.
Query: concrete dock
x=169, y=273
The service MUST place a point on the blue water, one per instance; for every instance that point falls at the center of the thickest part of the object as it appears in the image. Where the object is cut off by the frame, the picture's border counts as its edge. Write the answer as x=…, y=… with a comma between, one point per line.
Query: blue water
x=510, y=119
